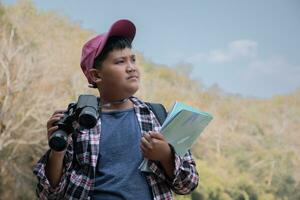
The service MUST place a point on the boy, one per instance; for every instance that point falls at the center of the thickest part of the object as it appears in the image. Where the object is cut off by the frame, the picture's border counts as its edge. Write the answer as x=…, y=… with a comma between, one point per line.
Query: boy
x=102, y=163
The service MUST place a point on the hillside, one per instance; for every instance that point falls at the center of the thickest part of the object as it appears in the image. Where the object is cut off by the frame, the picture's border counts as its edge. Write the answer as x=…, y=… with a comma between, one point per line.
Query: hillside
x=250, y=151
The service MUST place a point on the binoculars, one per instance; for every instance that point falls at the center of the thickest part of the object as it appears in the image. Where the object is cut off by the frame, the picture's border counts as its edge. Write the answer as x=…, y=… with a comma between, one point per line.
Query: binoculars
x=85, y=112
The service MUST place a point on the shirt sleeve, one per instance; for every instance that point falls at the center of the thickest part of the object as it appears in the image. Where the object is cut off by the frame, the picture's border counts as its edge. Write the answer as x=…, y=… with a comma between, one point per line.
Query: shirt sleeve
x=185, y=176
x=44, y=190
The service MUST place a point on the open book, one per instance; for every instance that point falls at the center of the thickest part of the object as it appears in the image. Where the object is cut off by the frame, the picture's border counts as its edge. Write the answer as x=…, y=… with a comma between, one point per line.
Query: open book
x=181, y=128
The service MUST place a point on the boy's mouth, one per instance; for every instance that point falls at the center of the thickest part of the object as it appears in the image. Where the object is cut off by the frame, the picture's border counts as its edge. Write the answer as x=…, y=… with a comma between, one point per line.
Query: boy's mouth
x=133, y=77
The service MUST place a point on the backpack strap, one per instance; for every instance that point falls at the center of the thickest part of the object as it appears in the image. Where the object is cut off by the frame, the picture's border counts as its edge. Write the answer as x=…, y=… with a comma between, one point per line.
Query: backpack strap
x=159, y=111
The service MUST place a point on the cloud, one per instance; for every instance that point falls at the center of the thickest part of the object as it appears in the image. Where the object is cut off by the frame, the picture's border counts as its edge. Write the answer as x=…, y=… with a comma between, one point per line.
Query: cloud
x=275, y=72
x=239, y=69
x=236, y=50
x=266, y=77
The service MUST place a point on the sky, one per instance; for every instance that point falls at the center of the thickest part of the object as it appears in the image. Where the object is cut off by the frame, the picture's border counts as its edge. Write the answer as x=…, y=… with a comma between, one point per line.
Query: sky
x=251, y=48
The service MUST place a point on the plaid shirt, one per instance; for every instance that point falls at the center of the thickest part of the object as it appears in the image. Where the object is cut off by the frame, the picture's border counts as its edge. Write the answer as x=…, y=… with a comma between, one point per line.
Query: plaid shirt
x=80, y=165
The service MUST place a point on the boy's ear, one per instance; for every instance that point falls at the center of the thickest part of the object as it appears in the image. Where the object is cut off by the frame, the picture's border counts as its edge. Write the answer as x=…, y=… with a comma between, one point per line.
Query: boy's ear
x=95, y=75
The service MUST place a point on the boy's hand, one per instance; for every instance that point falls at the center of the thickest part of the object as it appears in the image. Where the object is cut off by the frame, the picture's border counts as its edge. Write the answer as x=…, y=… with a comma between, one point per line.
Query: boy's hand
x=155, y=147
x=51, y=127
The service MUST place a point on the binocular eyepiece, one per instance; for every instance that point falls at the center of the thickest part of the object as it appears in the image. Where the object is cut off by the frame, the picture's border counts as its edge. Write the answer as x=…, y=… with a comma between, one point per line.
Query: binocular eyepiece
x=85, y=112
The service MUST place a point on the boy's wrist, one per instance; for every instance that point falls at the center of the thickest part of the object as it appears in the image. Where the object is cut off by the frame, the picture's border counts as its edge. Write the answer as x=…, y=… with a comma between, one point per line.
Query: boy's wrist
x=168, y=162
x=169, y=156
x=57, y=154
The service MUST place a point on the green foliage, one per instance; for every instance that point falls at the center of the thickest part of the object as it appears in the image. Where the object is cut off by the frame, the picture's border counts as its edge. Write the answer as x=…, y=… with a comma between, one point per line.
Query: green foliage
x=182, y=197
x=2, y=11
x=197, y=196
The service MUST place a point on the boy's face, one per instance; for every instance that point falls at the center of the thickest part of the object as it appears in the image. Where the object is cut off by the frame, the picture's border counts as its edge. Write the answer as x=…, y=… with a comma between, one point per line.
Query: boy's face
x=120, y=77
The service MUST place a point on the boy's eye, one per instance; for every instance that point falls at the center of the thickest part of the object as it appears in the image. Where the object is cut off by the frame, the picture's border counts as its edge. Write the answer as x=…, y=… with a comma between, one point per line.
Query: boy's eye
x=119, y=61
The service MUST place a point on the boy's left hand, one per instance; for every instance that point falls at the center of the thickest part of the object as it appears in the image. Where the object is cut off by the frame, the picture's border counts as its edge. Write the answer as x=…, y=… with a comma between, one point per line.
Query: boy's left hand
x=155, y=147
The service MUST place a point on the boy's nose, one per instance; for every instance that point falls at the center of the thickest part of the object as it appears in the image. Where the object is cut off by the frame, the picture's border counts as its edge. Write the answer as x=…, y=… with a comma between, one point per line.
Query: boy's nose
x=130, y=67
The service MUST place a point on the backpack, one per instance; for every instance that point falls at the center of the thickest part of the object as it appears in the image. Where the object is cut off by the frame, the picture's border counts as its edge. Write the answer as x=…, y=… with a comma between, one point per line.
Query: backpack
x=159, y=111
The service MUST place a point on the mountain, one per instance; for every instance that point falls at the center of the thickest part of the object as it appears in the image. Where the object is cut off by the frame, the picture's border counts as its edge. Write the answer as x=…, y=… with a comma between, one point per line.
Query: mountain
x=249, y=151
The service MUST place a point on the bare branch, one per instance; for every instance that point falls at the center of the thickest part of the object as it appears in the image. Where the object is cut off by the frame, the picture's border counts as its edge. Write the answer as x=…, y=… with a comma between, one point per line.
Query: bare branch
x=4, y=107
x=20, y=142
x=24, y=118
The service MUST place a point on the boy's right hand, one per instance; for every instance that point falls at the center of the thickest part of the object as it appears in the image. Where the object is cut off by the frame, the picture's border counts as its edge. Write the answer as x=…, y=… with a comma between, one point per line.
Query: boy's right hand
x=54, y=165
x=56, y=116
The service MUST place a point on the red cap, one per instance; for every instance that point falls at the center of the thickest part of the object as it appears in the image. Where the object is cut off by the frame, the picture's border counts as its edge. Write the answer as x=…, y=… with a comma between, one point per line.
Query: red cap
x=94, y=46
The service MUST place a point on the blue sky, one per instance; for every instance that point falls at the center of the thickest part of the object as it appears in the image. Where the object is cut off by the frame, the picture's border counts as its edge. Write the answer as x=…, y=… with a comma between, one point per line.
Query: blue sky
x=246, y=47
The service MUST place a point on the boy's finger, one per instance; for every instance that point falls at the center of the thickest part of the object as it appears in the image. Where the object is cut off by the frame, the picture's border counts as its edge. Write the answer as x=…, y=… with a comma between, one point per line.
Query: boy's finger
x=59, y=111
x=157, y=135
x=148, y=137
x=51, y=130
x=52, y=121
x=145, y=143
x=58, y=115
x=144, y=149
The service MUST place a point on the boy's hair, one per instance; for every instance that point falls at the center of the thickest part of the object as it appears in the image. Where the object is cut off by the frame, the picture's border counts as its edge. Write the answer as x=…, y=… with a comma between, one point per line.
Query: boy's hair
x=113, y=43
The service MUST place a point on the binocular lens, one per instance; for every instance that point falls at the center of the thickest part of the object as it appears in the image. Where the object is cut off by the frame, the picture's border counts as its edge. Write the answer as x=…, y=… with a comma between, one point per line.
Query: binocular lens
x=58, y=140
x=88, y=117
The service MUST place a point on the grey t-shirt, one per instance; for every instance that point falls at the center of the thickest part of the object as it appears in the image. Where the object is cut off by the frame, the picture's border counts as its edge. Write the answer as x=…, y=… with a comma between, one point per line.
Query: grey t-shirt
x=117, y=175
